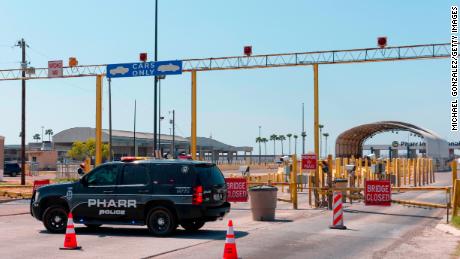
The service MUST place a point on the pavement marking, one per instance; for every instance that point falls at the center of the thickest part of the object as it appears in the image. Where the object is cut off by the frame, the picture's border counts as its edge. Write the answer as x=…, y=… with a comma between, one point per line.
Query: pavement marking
x=15, y=214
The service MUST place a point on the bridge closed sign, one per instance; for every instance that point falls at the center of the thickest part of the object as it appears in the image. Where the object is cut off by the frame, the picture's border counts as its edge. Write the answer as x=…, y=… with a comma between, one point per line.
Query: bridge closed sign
x=237, y=189
x=377, y=192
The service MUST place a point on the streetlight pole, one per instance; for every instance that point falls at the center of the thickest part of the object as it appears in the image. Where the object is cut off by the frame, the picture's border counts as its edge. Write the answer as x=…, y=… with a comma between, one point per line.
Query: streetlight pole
x=155, y=89
x=159, y=110
x=325, y=149
x=304, y=134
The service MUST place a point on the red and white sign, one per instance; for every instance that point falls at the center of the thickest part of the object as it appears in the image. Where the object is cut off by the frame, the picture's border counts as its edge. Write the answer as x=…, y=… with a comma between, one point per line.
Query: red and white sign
x=309, y=161
x=40, y=183
x=377, y=192
x=55, y=68
x=237, y=189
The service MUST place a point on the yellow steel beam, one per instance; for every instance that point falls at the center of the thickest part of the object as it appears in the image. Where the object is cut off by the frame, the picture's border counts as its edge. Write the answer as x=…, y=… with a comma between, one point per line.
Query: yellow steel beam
x=98, y=119
x=193, y=121
x=422, y=204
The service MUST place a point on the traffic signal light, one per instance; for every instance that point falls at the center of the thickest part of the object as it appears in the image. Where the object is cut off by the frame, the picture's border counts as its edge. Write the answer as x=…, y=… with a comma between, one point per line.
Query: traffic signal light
x=143, y=57
x=248, y=50
x=73, y=62
x=382, y=42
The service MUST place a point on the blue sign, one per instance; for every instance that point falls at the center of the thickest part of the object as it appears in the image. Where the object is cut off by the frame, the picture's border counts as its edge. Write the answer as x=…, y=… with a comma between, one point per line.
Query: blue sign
x=172, y=67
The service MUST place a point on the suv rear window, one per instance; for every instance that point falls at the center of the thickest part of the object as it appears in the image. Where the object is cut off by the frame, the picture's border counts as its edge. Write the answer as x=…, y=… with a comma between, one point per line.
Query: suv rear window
x=209, y=174
x=173, y=174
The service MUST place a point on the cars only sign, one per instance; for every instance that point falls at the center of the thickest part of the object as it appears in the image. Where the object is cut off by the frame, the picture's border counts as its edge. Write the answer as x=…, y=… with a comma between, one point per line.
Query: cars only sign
x=172, y=67
x=377, y=192
x=237, y=189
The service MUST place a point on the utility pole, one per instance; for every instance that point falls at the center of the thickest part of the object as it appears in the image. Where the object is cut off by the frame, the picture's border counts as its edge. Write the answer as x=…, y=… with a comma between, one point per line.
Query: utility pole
x=110, y=120
x=304, y=134
x=135, y=150
x=22, y=45
x=155, y=90
x=174, y=134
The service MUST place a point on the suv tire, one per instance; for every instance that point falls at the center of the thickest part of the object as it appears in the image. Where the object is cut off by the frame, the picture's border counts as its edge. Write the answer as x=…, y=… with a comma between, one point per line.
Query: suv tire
x=55, y=219
x=161, y=221
x=13, y=174
x=192, y=225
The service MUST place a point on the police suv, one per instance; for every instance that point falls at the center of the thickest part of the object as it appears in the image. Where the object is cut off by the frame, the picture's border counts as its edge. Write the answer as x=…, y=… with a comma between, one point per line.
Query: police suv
x=158, y=193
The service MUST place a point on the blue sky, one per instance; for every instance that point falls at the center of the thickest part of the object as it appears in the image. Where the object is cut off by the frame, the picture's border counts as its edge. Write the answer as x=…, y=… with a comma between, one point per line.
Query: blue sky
x=231, y=104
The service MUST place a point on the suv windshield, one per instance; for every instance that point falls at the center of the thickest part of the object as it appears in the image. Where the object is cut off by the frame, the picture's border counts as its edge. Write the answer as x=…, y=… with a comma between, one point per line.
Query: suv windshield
x=209, y=174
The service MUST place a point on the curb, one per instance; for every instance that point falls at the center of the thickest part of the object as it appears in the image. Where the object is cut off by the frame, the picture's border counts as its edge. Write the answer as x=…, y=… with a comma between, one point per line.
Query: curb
x=447, y=228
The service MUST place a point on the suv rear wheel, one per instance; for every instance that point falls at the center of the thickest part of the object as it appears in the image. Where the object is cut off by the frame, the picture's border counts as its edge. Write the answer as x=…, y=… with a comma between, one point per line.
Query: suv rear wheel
x=192, y=225
x=161, y=221
x=55, y=219
x=13, y=174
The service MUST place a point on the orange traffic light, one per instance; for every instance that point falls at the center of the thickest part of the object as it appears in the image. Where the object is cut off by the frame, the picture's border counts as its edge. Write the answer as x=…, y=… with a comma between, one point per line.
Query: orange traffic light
x=73, y=62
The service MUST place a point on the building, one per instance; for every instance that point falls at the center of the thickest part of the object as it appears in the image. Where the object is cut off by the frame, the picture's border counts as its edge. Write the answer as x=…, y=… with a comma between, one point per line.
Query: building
x=123, y=144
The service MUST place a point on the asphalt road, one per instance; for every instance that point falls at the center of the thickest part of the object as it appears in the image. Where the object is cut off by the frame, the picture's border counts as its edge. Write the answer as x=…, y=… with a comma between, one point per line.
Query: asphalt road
x=373, y=232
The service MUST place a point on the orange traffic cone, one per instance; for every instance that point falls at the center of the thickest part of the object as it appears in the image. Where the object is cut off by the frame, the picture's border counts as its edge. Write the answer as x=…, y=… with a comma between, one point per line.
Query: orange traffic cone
x=70, y=240
x=230, y=245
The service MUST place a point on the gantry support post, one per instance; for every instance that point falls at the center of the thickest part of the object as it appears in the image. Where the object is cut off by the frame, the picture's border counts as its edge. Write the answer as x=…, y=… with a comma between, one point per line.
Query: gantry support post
x=316, y=126
x=193, y=121
x=98, y=120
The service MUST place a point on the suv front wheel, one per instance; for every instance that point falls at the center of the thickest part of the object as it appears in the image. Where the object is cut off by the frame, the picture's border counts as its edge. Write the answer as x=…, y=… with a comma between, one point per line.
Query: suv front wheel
x=55, y=219
x=161, y=221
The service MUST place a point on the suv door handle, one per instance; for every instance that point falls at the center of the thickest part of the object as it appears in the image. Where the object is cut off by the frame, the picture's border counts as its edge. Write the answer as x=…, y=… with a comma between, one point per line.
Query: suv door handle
x=108, y=191
x=144, y=191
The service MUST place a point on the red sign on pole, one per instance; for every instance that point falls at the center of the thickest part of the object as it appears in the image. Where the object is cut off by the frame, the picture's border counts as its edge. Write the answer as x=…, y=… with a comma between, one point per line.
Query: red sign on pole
x=309, y=161
x=377, y=192
x=40, y=183
x=237, y=189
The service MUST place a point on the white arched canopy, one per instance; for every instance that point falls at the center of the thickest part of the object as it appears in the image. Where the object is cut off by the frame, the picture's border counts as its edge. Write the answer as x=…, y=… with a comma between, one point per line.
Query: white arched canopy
x=350, y=142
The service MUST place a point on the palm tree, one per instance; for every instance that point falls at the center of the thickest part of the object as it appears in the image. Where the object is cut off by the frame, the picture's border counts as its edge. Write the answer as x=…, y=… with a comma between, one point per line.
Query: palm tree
x=289, y=135
x=295, y=144
x=36, y=137
x=49, y=132
x=259, y=140
x=265, y=140
x=274, y=138
x=282, y=138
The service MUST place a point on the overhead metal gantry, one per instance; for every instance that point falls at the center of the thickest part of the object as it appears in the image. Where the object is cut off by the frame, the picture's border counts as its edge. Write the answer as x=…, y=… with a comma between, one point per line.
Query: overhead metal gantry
x=398, y=53
x=315, y=58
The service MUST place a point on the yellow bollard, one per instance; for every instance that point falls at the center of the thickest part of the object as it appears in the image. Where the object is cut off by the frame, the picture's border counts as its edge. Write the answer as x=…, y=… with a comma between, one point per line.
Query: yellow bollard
x=309, y=189
x=455, y=197
x=294, y=182
x=366, y=170
x=454, y=172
